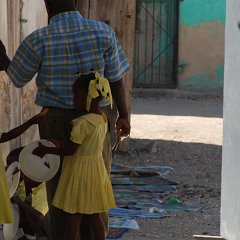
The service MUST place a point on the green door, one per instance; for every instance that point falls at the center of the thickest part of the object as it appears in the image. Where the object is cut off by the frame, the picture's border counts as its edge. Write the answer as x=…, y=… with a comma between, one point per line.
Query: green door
x=156, y=44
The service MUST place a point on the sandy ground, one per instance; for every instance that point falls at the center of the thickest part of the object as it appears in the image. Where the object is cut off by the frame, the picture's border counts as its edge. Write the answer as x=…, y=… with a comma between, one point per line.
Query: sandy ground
x=186, y=134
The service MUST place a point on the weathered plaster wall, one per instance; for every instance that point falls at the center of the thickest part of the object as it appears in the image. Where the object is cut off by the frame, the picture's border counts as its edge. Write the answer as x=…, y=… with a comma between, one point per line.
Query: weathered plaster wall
x=230, y=207
x=34, y=16
x=17, y=105
x=5, y=86
x=201, y=45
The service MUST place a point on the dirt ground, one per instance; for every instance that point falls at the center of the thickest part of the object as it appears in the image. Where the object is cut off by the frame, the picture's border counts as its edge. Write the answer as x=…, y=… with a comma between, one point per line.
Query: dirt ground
x=185, y=134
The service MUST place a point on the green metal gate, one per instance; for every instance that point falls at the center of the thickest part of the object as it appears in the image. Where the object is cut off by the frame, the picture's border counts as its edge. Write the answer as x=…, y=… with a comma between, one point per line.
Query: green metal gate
x=156, y=44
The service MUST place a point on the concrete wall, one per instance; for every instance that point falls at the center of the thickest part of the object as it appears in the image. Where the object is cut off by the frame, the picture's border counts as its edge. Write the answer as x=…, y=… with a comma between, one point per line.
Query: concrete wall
x=201, y=45
x=230, y=209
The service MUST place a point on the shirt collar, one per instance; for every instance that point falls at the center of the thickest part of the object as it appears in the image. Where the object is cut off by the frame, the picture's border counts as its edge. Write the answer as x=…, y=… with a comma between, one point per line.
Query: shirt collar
x=65, y=15
x=95, y=119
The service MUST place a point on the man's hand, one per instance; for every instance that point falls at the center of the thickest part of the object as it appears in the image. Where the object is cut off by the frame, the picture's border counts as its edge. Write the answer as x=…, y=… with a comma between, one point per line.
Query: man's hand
x=123, y=127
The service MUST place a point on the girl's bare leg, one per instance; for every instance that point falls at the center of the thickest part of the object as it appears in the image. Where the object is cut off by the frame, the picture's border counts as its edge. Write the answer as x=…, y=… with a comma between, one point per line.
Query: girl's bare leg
x=97, y=226
x=72, y=228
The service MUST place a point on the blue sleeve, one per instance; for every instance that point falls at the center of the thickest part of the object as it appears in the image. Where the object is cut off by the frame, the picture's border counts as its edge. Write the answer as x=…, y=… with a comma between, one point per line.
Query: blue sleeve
x=25, y=63
x=116, y=63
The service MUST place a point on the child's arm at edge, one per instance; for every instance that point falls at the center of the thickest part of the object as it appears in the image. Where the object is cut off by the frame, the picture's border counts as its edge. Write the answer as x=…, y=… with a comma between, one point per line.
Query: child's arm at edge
x=62, y=150
x=15, y=132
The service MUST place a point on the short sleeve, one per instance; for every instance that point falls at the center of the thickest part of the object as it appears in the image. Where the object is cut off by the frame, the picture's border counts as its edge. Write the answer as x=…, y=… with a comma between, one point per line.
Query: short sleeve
x=116, y=63
x=25, y=64
x=79, y=131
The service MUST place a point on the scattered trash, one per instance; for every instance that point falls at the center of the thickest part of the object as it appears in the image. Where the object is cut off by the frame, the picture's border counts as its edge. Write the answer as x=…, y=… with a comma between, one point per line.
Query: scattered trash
x=152, y=170
x=173, y=201
x=147, y=188
x=116, y=233
x=135, y=214
x=123, y=223
x=142, y=193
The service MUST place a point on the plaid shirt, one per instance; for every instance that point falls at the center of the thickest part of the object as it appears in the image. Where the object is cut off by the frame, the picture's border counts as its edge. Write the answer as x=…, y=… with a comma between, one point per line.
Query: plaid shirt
x=69, y=44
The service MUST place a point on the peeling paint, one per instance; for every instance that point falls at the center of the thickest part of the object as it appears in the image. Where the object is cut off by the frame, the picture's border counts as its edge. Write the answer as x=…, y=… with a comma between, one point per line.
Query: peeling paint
x=193, y=12
x=201, y=47
x=201, y=81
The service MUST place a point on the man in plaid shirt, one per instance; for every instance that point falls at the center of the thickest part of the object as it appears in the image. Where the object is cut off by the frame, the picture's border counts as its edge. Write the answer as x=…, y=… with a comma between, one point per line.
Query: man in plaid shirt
x=69, y=44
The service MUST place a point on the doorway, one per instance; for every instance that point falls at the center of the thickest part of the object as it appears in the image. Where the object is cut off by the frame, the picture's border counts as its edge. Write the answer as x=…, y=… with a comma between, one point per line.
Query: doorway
x=156, y=43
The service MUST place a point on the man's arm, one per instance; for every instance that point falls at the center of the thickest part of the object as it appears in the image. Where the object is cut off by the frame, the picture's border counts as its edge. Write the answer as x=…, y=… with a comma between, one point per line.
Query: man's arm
x=25, y=63
x=118, y=92
x=4, y=59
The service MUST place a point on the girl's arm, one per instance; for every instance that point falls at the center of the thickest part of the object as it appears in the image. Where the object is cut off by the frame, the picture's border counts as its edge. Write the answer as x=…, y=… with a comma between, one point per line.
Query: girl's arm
x=62, y=149
x=15, y=132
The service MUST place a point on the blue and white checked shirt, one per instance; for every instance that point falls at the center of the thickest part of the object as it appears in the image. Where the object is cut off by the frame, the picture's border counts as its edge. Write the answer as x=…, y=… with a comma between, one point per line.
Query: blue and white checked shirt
x=69, y=44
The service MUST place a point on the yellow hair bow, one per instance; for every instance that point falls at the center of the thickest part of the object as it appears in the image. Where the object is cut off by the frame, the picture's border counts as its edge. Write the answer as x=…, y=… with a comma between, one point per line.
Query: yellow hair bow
x=99, y=84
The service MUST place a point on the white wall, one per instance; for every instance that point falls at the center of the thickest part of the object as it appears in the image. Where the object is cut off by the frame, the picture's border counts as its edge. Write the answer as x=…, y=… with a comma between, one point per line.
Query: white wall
x=230, y=209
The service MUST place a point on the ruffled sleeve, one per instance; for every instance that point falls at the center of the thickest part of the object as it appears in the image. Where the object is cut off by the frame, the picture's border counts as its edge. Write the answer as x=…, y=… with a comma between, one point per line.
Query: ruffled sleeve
x=79, y=131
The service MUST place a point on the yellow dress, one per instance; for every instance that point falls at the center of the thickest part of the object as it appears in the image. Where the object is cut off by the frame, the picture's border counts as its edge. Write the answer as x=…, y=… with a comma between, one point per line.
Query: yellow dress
x=84, y=186
x=6, y=215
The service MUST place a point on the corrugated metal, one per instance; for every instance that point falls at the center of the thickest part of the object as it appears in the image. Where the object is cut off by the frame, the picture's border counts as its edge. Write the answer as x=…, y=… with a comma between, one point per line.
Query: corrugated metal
x=156, y=43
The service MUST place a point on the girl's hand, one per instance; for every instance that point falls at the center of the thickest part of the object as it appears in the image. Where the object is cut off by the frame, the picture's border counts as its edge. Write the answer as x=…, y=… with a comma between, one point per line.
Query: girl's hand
x=40, y=150
x=40, y=116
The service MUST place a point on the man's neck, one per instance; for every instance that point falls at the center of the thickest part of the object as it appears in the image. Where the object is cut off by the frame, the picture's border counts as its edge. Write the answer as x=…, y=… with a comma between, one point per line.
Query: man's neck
x=61, y=9
x=66, y=9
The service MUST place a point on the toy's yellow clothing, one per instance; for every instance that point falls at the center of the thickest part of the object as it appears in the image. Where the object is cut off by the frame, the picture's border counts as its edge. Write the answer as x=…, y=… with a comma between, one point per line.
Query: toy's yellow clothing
x=84, y=186
x=6, y=215
x=39, y=197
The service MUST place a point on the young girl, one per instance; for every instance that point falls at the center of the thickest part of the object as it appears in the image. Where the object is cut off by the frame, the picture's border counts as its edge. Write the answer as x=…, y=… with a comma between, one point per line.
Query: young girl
x=5, y=207
x=84, y=186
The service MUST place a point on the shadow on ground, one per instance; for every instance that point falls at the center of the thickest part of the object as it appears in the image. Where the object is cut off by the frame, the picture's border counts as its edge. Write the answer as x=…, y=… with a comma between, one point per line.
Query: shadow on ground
x=194, y=163
x=178, y=107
